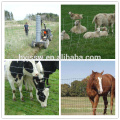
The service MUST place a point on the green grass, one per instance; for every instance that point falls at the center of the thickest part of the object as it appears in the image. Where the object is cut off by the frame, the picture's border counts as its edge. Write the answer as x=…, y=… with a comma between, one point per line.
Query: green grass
x=82, y=106
x=16, y=42
x=103, y=46
x=29, y=107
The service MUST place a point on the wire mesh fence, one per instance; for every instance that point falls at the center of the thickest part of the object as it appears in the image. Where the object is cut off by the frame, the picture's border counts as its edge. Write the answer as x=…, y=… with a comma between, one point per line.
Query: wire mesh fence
x=33, y=107
x=16, y=40
x=81, y=46
x=75, y=101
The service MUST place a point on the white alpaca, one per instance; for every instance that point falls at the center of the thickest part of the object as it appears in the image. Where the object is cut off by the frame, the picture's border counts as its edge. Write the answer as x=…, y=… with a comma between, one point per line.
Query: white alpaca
x=95, y=34
x=75, y=16
x=64, y=35
x=78, y=28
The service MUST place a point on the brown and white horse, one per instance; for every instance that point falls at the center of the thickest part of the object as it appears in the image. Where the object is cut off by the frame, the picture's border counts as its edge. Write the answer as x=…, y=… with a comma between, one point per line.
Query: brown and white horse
x=100, y=85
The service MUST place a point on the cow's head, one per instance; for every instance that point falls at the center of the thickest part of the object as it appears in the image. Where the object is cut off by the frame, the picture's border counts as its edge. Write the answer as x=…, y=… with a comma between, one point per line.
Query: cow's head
x=30, y=68
x=42, y=92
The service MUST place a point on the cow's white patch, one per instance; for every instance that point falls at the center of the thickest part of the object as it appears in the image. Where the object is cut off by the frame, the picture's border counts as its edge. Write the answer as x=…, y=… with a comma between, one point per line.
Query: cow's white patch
x=100, y=84
x=46, y=93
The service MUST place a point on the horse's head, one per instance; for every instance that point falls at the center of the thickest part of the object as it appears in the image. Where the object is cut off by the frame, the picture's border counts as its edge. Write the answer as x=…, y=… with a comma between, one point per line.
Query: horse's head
x=97, y=81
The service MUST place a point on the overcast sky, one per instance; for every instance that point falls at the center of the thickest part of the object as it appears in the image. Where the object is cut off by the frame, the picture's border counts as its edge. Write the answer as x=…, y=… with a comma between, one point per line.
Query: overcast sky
x=21, y=9
x=82, y=69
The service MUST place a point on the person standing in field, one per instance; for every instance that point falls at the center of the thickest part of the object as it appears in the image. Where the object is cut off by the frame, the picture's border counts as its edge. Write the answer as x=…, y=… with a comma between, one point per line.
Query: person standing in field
x=26, y=28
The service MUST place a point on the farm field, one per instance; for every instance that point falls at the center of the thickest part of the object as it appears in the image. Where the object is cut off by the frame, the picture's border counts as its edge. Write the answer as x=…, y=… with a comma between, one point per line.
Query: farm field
x=82, y=106
x=29, y=107
x=104, y=47
x=16, y=42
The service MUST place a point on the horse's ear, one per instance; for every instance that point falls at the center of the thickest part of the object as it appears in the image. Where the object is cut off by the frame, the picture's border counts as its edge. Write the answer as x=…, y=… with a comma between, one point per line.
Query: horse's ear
x=102, y=72
x=92, y=71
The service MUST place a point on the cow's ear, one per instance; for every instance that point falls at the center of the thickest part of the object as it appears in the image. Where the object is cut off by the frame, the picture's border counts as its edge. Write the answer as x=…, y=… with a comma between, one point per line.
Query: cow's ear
x=102, y=72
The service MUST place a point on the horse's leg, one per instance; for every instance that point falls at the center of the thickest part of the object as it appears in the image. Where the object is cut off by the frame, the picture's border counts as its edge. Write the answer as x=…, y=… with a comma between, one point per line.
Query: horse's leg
x=105, y=103
x=96, y=100
x=92, y=101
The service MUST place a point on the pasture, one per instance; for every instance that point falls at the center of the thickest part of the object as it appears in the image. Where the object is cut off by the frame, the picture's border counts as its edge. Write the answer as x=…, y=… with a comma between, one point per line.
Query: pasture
x=102, y=46
x=82, y=106
x=29, y=107
x=16, y=42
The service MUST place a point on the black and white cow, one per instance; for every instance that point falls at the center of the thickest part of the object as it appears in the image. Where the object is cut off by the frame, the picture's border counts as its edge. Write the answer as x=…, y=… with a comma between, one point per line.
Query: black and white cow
x=15, y=71
x=49, y=68
x=38, y=83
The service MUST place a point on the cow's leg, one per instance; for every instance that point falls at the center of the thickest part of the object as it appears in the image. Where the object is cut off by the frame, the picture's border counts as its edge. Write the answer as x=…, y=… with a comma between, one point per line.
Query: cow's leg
x=96, y=100
x=20, y=90
x=31, y=89
x=26, y=87
x=13, y=89
x=105, y=104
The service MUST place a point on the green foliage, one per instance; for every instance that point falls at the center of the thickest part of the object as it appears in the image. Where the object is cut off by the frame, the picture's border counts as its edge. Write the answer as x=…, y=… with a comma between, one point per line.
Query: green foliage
x=44, y=16
x=77, y=88
x=29, y=107
x=65, y=88
x=103, y=46
x=8, y=15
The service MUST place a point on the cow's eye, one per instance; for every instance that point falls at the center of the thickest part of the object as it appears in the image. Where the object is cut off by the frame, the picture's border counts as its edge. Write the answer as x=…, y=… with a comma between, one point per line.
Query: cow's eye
x=41, y=72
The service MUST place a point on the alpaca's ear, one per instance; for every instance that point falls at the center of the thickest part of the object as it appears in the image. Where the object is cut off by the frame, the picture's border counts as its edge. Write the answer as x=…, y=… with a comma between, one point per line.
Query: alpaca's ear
x=92, y=71
x=102, y=72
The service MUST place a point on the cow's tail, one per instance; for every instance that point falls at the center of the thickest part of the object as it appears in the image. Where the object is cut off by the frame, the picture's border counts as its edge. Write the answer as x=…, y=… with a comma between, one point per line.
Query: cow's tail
x=94, y=19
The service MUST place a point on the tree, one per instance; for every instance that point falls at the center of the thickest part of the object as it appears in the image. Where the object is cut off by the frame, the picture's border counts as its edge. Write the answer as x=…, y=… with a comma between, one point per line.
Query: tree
x=8, y=15
x=65, y=90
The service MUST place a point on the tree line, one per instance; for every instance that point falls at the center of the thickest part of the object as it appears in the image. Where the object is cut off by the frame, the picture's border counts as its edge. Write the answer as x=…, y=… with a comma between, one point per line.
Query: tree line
x=75, y=89
x=44, y=16
x=8, y=15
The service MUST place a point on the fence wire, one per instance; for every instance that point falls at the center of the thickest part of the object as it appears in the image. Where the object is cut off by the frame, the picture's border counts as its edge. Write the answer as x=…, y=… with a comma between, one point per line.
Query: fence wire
x=74, y=99
x=80, y=46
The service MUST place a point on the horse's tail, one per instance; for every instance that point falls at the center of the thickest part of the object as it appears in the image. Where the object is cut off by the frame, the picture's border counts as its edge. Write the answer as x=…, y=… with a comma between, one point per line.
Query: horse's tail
x=113, y=86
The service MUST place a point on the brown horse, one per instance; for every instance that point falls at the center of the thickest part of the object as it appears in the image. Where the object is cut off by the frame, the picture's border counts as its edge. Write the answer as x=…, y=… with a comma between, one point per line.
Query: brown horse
x=100, y=85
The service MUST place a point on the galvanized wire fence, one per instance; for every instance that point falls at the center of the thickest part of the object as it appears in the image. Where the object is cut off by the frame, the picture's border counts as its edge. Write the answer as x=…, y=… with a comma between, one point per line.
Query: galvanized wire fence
x=79, y=45
x=74, y=99
x=33, y=107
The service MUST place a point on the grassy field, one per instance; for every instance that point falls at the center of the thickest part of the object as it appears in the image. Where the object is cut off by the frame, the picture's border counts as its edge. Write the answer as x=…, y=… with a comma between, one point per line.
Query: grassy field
x=29, y=107
x=82, y=106
x=103, y=46
x=16, y=42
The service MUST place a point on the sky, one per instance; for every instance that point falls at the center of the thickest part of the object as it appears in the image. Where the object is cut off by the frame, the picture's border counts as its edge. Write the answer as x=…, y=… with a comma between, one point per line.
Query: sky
x=81, y=69
x=21, y=9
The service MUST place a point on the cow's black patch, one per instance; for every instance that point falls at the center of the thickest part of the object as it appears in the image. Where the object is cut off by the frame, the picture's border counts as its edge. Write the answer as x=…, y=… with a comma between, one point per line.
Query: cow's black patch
x=28, y=66
x=49, y=68
x=16, y=69
x=40, y=87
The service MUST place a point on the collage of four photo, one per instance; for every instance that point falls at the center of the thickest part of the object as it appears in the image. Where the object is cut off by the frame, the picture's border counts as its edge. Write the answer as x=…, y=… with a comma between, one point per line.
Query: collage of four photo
x=60, y=59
